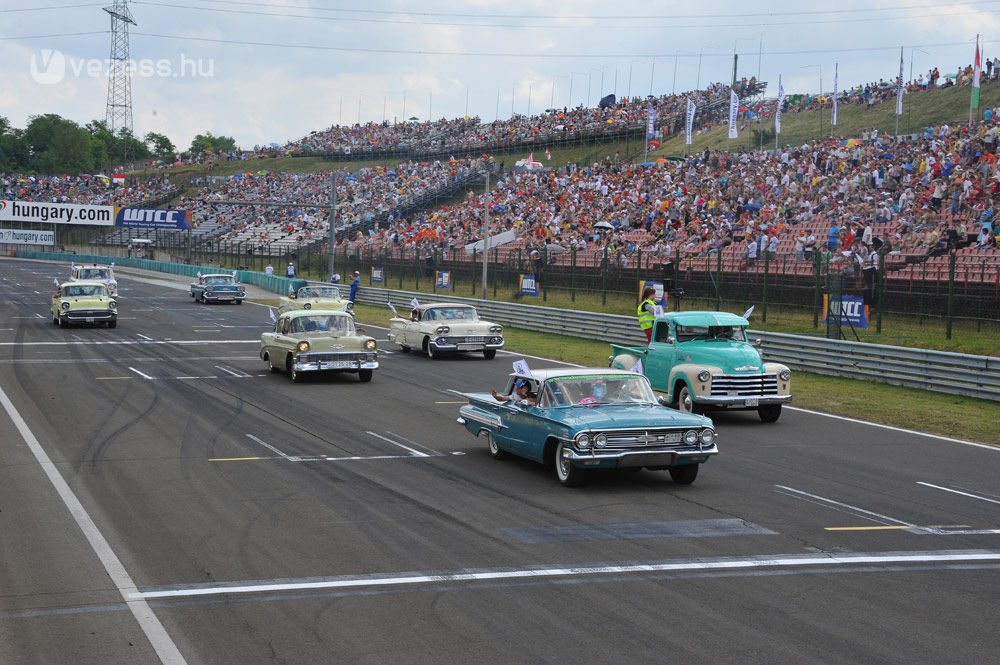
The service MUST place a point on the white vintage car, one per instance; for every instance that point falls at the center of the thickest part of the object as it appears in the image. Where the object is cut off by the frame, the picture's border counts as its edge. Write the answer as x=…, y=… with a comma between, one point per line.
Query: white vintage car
x=83, y=302
x=314, y=296
x=95, y=273
x=440, y=328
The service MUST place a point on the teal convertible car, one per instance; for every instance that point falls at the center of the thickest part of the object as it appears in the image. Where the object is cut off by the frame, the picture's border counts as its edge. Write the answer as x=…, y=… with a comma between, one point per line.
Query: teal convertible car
x=579, y=419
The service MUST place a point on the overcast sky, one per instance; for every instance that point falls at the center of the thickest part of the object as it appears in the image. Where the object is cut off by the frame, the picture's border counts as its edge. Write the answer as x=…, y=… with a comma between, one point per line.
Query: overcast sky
x=268, y=71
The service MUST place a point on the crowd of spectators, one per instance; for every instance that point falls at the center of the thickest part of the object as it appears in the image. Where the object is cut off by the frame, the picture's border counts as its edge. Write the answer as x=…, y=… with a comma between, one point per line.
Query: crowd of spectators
x=86, y=189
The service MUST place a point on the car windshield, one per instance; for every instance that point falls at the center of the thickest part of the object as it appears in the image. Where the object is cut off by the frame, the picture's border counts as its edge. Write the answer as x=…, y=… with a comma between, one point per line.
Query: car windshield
x=94, y=273
x=451, y=314
x=597, y=389
x=320, y=292
x=327, y=323
x=84, y=291
x=691, y=333
x=216, y=280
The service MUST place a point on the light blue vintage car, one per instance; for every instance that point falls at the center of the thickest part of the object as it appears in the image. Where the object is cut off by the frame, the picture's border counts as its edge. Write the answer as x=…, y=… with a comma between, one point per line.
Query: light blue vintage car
x=579, y=419
x=222, y=287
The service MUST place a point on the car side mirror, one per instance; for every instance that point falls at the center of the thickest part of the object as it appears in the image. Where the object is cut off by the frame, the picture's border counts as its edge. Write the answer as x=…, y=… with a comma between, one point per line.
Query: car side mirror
x=661, y=401
x=361, y=331
x=757, y=342
x=670, y=340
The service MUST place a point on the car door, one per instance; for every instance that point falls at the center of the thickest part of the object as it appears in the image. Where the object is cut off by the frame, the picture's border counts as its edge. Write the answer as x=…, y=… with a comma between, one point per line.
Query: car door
x=661, y=356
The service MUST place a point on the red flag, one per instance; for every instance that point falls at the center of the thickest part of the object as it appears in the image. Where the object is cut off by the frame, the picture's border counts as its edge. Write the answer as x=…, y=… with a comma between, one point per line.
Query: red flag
x=548, y=155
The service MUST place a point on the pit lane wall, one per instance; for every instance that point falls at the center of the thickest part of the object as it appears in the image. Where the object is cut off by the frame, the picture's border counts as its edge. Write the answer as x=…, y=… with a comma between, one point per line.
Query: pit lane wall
x=936, y=371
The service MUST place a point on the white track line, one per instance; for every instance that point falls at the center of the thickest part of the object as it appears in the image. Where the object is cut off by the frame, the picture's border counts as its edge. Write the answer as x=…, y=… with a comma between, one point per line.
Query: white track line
x=157, y=635
x=415, y=453
x=947, y=489
x=290, y=458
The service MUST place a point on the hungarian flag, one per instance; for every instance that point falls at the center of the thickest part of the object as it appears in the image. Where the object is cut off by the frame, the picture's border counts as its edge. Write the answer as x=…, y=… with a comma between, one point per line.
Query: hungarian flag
x=977, y=70
x=548, y=154
x=119, y=179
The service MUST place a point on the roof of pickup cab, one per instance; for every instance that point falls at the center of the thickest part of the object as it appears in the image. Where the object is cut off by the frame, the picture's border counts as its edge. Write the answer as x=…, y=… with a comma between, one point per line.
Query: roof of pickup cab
x=705, y=319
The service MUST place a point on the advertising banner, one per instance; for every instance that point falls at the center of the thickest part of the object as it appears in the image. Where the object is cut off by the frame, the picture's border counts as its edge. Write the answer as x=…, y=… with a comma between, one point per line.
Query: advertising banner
x=56, y=213
x=442, y=279
x=377, y=277
x=849, y=310
x=27, y=237
x=150, y=218
x=661, y=293
x=529, y=287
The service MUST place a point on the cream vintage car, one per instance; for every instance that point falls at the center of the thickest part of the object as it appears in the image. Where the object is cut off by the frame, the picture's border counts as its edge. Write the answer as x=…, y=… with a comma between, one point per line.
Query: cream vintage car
x=83, y=302
x=445, y=328
x=95, y=273
x=314, y=296
x=318, y=340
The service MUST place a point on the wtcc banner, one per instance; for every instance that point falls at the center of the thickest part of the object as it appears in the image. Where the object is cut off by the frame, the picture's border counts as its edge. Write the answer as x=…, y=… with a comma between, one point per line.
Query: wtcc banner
x=442, y=279
x=147, y=218
x=56, y=213
x=849, y=310
x=734, y=109
x=27, y=237
x=377, y=275
x=529, y=287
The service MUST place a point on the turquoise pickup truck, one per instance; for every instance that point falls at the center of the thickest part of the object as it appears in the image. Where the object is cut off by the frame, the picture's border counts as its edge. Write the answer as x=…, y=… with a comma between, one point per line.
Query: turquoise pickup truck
x=704, y=360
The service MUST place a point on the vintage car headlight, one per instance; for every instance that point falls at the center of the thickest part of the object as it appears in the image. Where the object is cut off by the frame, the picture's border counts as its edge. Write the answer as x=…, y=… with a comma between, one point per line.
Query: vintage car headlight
x=583, y=441
x=704, y=375
x=303, y=346
x=691, y=437
x=240, y=292
x=600, y=440
x=708, y=437
x=785, y=374
x=496, y=329
x=307, y=305
x=443, y=330
x=370, y=345
x=65, y=305
x=112, y=304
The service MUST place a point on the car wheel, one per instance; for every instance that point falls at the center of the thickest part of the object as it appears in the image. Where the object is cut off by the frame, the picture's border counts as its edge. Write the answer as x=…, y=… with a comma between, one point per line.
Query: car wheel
x=684, y=474
x=55, y=319
x=63, y=323
x=429, y=349
x=296, y=375
x=365, y=375
x=495, y=451
x=404, y=349
x=271, y=366
x=204, y=300
x=568, y=475
x=239, y=302
x=489, y=354
x=684, y=401
x=112, y=324
x=769, y=413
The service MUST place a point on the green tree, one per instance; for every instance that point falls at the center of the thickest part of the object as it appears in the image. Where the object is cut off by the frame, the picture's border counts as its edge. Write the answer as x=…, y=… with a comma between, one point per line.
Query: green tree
x=209, y=143
x=57, y=145
x=13, y=151
x=161, y=147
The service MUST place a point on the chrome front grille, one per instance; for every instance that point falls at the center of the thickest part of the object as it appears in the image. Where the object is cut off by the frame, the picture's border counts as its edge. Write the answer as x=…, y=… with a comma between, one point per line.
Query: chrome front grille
x=651, y=438
x=744, y=385
x=329, y=357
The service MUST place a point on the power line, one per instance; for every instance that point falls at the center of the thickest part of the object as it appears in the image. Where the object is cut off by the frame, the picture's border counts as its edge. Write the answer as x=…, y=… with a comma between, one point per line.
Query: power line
x=62, y=34
x=43, y=9
x=521, y=54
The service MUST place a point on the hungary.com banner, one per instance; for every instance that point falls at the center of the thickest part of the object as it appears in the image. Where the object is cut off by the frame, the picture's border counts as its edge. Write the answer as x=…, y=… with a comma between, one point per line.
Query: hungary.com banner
x=56, y=213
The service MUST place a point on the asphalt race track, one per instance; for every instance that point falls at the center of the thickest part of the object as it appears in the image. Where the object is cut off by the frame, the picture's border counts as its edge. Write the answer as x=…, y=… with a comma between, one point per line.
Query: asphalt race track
x=163, y=498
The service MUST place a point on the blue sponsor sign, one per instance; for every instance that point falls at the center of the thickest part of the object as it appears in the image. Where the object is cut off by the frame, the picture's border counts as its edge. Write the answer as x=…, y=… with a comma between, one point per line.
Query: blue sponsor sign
x=149, y=218
x=377, y=276
x=661, y=294
x=442, y=279
x=529, y=287
x=848, y=310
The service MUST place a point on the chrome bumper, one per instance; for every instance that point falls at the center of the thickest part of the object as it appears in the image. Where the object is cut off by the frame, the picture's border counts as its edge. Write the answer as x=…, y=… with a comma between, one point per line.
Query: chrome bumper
x=638, y=458
x=307, y=364
x=745, y=402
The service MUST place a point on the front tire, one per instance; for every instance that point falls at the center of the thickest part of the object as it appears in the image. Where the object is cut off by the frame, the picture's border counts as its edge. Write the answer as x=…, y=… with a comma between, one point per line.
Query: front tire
x=112, y=324
x=271, y=366
x=296, y=375
x=429, y=350
x=365, y=375
x=63, y=323
x=404, y=349
x=684, y=474
x=684, y=401
x=769, y=413
x=489, y=354
x=568, y=475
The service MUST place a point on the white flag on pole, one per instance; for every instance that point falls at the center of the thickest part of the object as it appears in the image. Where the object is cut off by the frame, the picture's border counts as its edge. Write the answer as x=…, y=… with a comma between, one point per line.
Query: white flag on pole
x=781, y=104
x=689, y=121
x=394, y=312
x=270, y=310
x=833, y=117
x=734, y=107
x=899, y=85
x=414, y=303
x=521, y=368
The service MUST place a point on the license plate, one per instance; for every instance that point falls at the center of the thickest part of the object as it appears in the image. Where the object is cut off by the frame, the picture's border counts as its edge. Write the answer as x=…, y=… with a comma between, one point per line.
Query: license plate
x=90, y=319
x=751, y=401
x=337, y=364
x=469, y=347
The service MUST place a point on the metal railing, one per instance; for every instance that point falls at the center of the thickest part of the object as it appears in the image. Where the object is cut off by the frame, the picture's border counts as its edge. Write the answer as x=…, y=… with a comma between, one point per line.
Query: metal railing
x=937, y=371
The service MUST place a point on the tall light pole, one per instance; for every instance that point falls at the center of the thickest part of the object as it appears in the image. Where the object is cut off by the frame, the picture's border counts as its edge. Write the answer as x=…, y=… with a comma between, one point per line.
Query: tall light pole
x=571, y=77
x=530, y=85
x=630, y=75
x=673, y=86
x=601, y=89
x=820, y=67
x=736, y=57
x=552, y=99
x=701, y=52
